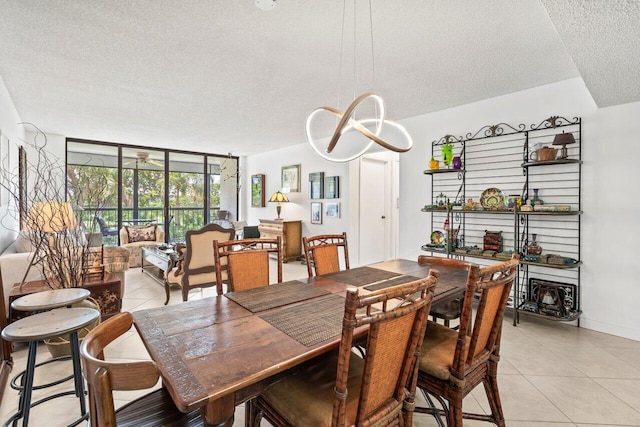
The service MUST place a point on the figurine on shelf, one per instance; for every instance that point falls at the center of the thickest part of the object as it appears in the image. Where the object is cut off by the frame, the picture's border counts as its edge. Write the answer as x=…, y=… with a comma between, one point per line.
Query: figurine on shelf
x=470, y=205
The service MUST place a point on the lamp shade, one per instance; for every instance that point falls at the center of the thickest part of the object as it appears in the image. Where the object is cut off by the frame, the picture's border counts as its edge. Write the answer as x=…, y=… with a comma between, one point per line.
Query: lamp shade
x=564, y=139
x=278, y=197
x=51, y=217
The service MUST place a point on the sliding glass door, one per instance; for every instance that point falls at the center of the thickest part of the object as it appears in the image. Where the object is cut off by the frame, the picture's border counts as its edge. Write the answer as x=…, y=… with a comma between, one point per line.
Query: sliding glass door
x=186, y=194
x=179, y=191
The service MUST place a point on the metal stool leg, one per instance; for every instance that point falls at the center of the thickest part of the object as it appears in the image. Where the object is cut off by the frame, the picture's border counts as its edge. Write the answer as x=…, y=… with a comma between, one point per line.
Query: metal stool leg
x=77, y=372
x=24, y=402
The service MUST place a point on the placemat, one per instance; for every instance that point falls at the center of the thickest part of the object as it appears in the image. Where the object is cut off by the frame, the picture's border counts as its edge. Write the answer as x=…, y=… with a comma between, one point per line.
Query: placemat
x=311, y=322
x=361, y=276
x=441, y=288
x=266, y=297
x=391, y=282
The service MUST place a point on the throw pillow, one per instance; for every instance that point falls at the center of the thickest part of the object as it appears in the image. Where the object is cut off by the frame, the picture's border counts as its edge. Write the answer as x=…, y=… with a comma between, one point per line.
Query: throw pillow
x=146, y=233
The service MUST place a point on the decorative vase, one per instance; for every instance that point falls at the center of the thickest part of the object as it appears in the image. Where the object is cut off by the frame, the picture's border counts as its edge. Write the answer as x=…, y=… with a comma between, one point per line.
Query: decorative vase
x=447, y=154
x=457, y=162
x=536, y=200
x=434, y=164
x=534, y=248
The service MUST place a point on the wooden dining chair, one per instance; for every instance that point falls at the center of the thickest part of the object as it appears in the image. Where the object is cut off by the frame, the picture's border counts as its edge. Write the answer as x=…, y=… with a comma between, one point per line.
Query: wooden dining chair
x=450, y=309
x=197, y=267
x=452, y=363
x=104, y=377
x=344, y=389
x=247, y=262
x=322, y=253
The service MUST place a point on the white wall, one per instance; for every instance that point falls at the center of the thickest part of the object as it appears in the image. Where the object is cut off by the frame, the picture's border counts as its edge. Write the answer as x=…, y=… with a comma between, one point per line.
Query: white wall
x=610, y=196
x=611, y=204
x=11, y=136
x=299, y=208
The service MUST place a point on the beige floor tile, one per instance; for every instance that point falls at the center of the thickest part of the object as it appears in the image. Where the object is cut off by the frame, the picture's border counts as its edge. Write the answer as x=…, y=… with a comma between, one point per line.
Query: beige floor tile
x=626, y=390
x=583, y=400
x=627, y=355
x=521, y=401
x=595, y=362
x=545, y=363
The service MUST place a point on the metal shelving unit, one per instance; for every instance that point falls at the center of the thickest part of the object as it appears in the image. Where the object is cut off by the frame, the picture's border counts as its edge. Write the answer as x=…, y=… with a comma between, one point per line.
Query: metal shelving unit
x=498, y=156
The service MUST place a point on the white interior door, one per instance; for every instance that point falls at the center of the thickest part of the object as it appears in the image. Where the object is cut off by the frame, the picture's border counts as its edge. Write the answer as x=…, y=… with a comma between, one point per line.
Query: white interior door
x=374, y=208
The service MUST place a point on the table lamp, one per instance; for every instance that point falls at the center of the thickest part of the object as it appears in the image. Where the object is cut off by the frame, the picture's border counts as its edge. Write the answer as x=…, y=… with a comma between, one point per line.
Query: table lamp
x=280, y=198
x=48, y=218
x=564, y=139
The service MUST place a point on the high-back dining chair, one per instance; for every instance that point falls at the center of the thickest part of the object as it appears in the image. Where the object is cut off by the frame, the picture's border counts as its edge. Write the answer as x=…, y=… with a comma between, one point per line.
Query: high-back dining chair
x=450, y=309
x=103, y=377
x=342, y=389
x=452, y=363
x=322, y=252
x=197, y=269
x=247, y=262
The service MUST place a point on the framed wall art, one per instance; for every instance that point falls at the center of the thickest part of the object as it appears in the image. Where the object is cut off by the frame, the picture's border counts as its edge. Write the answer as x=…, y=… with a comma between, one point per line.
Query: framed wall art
x=332, y=187
x=332, y=210
x=316, y=213
x=290, y=179
x=316, y=185
x=257, y=191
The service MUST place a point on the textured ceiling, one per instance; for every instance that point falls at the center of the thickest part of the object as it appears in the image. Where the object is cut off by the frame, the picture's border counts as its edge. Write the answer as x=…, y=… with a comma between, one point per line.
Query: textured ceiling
x=224, y=77
x=603, y=38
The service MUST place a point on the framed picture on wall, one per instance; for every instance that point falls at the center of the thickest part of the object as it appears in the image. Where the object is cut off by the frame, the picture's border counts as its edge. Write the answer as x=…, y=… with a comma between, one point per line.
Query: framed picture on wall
x=290, y=179
x=257, y=191
x=332, y=210
x=332, y=187
x=316, y=185
x=316, y=213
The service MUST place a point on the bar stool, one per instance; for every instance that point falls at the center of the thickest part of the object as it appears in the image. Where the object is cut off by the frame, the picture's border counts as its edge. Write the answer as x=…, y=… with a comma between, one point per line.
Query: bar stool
x=50, y=324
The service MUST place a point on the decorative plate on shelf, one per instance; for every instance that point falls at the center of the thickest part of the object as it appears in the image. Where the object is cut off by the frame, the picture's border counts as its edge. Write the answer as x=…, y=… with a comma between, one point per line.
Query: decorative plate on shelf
x=492, y=198
x=437, y=238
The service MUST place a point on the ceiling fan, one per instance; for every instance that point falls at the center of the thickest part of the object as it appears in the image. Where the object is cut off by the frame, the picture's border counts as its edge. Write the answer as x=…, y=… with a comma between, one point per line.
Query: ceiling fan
x=142, y=158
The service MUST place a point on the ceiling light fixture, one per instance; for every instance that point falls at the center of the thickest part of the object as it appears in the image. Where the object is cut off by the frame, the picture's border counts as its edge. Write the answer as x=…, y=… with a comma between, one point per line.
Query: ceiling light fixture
x=357, y=135
x=265, y=4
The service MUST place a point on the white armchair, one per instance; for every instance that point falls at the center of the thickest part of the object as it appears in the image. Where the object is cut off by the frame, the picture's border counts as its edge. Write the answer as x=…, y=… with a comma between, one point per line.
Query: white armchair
x=134, y=237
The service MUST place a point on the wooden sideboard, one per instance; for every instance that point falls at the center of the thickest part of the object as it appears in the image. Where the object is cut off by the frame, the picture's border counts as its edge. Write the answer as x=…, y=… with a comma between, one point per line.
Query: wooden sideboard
x=291, y=233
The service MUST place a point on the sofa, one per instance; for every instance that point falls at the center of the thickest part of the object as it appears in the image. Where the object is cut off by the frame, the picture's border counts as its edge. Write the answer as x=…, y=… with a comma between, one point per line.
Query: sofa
x=15, y=261
x=134, y=237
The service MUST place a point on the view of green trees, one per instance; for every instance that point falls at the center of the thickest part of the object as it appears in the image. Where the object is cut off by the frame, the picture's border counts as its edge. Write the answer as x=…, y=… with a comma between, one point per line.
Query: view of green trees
x=186, y=196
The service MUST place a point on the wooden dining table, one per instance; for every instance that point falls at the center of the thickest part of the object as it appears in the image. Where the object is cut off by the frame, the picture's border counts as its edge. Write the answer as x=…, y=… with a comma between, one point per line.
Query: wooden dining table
x=218, y=352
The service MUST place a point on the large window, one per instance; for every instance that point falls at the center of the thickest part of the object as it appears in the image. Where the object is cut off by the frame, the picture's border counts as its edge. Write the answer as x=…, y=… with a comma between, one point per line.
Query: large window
x=178, y=191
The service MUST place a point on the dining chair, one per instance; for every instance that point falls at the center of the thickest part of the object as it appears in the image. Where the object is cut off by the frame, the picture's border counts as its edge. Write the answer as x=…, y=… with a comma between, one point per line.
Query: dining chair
x=103, y=377
x=452, y=363
x=322, y=253
x=450, y=309
x=197, y=267
x=247, y=262
x=344, y=389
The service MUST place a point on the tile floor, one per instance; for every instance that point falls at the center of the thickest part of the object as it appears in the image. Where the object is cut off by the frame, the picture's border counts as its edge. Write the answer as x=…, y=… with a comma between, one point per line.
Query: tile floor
x=551, y=374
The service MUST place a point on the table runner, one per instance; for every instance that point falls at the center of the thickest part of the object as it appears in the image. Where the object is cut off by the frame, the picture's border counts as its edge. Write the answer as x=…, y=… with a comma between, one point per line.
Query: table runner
x=361, y=276
x=311, y=322
x=267, y=297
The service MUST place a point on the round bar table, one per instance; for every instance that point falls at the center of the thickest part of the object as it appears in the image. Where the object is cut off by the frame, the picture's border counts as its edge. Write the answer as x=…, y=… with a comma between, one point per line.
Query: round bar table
x=46, y=300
